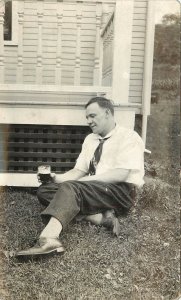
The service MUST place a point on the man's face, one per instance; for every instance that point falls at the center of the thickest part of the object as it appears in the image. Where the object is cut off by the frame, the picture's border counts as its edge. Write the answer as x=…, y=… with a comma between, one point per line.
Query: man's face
x=97, y=119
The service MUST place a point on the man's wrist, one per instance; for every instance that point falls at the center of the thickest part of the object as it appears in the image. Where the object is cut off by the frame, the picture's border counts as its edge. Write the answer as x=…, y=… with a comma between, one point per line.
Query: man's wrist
x=57, y=178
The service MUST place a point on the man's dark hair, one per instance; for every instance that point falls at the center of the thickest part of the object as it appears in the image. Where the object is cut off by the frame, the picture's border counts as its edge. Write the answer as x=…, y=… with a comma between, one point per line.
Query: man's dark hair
x=102, y=102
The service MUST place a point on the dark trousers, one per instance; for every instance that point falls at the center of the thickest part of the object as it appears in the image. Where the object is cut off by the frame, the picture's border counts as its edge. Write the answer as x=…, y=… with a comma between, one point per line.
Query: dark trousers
x=64, y=201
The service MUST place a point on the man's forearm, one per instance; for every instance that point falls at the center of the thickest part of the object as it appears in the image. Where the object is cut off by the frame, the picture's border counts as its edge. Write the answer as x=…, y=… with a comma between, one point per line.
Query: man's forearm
x=112, y=176
x=73, y=174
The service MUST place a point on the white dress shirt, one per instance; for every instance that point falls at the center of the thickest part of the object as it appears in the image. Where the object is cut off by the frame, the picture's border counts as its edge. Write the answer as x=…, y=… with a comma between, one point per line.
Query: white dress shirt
x=123, y=149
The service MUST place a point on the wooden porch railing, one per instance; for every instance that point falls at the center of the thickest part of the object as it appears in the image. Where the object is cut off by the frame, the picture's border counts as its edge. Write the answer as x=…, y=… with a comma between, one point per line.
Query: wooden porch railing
x=40, y=55
x=99, y=59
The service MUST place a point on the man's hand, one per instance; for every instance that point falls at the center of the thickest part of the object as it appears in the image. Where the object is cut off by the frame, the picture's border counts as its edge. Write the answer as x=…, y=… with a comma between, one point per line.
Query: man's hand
x=50, y=177
x=73, y=174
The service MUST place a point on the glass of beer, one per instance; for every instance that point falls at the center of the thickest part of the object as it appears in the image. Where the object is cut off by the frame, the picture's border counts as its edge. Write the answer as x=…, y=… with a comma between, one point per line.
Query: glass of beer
x=44, y=173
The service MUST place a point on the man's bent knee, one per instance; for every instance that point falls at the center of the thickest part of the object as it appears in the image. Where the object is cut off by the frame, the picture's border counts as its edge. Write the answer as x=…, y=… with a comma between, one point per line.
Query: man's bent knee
x=46, y=192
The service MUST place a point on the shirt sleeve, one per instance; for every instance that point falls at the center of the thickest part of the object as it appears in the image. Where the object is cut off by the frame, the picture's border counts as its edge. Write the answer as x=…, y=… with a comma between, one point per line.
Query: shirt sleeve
x=131, y=153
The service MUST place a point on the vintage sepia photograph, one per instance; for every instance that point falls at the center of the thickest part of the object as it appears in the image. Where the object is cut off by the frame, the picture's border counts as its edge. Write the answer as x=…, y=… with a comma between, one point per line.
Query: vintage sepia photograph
x=90, y=170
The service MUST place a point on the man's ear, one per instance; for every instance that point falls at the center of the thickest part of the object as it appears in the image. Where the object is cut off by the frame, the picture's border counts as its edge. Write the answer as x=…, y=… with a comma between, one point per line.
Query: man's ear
x=108, y=111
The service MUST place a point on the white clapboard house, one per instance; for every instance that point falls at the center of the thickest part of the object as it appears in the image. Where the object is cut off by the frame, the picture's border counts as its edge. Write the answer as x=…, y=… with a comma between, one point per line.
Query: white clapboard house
x=54, y=56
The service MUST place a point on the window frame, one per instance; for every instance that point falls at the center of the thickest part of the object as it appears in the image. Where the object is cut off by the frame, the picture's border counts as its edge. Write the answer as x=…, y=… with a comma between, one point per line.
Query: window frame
x=14, y=33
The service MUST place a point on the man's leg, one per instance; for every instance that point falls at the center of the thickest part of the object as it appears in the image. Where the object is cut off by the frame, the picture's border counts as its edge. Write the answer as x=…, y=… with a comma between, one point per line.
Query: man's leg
x=61, y=210
x=71, y=198
x=100, y=218
x=89, y=198
x=48, y=240
x=96, y=200
x=46, y=192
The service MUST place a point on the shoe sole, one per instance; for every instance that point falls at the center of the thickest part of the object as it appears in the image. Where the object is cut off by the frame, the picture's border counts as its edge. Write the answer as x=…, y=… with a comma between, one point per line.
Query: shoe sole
x=58, y=250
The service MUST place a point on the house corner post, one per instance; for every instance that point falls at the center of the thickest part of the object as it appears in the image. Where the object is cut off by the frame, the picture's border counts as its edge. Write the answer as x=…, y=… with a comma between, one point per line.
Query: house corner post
x=2, y=12
x=148, y=66
x=122, y=50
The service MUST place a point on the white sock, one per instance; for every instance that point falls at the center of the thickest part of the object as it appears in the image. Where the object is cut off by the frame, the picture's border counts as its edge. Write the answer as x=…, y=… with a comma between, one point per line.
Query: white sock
x=52, y=229
x=95, y=219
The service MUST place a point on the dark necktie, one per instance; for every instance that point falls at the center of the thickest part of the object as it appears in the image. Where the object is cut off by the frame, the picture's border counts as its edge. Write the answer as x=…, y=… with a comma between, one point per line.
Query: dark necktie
x=96, y=158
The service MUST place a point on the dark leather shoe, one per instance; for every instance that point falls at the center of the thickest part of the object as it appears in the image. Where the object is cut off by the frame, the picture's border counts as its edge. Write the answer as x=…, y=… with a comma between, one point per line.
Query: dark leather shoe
x=111, y=222
x=43, y=246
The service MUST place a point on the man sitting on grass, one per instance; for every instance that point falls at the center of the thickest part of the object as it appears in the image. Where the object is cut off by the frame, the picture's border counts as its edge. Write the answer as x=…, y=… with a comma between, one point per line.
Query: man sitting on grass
x=100, y=185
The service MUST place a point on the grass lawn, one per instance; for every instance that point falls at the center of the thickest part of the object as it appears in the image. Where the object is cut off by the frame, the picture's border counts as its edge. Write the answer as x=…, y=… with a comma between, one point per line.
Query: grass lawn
x=143, y=263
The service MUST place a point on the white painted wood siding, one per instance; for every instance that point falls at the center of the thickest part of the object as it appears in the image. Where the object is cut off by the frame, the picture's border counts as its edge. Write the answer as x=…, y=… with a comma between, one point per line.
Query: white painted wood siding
x=49, y=37
x=138, y=51
x=28, y=53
